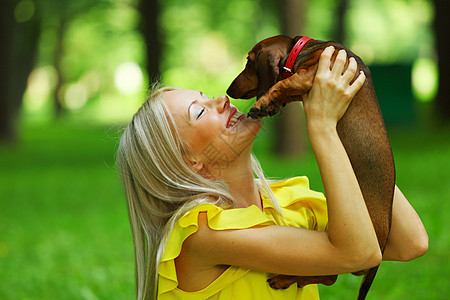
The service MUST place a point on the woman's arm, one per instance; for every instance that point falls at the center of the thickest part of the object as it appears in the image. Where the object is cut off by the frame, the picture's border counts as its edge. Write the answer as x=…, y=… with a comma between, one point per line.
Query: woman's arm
x=408, y=238
x=350, y=243
x=324, y=107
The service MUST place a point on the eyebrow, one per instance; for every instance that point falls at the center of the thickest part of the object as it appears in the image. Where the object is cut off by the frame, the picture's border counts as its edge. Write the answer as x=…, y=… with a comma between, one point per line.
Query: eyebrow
x=193, y=102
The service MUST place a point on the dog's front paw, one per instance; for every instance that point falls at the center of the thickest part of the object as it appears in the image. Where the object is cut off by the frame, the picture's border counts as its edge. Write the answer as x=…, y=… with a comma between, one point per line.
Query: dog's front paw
x=254, y=113
x=260, y=110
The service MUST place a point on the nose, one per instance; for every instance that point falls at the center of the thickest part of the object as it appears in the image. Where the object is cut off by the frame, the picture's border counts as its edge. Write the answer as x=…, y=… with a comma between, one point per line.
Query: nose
x=222, y=103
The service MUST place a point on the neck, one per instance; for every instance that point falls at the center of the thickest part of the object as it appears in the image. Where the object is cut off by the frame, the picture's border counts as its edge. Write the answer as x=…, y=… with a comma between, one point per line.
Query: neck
x=242, y=184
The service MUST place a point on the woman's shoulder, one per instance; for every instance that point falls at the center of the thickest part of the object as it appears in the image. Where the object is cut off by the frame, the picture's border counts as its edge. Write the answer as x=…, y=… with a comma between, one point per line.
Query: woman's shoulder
x=200, y=219
x=219, y=218
x=290, y=181
x=294, y=189
x=216, y=218
x=301, y=206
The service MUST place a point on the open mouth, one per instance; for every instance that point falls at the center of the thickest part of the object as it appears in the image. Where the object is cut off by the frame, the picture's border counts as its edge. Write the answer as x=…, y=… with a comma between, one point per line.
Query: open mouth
x=235, y=117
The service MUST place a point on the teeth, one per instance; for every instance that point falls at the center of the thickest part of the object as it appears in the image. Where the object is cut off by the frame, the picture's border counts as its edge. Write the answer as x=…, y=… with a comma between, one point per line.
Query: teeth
x=234, y=118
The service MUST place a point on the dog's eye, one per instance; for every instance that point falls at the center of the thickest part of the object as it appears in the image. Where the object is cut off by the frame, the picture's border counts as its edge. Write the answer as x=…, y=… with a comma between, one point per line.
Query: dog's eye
x=200, y=112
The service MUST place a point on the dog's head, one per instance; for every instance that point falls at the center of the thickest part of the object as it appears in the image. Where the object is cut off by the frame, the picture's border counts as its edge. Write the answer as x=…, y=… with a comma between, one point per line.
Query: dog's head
x=263, y=68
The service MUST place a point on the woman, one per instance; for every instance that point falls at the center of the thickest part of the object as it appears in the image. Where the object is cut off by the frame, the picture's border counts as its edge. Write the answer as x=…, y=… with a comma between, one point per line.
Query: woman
x=203, y=227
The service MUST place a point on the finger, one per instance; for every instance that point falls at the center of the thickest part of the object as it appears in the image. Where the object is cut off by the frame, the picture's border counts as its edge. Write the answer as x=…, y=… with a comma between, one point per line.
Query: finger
x=352, y=68
x=356, y=85
x=325, y=60
x=339, y=63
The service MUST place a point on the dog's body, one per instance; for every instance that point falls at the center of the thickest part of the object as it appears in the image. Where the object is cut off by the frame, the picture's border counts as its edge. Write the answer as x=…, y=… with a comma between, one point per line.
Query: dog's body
x=361, y=129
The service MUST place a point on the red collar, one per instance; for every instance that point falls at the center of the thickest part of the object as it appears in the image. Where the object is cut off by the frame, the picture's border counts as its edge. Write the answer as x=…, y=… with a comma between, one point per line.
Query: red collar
x=287, y=69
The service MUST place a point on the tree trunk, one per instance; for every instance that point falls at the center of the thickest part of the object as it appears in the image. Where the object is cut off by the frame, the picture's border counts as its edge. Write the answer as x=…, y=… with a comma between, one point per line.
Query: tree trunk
x=291, y=132
x=441, y=27
x=149, y=28
x=17, y=57
x=26, y=42
x=7, y=116
x=58, y=55
x=339, y=35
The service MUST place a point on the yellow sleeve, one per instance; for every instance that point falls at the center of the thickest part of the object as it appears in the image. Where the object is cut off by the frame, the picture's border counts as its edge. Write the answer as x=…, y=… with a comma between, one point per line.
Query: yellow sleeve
x=218, y=219
x=301, y=206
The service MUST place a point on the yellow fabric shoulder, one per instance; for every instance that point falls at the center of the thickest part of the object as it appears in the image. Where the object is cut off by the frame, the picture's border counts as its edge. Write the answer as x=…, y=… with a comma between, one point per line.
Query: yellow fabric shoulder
x=301, y=207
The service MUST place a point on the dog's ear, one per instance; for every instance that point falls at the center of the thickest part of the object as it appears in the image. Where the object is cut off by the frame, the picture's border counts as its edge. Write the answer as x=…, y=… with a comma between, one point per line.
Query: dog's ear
x=275, y=59
x=268, y=67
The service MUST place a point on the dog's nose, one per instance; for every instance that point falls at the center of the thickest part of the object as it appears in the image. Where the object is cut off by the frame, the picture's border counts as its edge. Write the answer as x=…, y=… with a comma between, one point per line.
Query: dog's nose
x=231, y=92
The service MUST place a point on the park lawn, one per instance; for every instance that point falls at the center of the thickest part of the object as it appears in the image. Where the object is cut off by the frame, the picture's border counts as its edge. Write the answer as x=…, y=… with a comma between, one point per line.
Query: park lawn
x=64, y=230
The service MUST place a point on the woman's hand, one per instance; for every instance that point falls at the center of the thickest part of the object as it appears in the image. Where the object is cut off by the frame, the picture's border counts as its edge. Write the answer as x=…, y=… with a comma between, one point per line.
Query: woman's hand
x=331, y=92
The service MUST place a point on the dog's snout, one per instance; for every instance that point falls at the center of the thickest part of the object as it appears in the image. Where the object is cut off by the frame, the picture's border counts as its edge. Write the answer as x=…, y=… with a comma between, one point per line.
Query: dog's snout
x=231, y=91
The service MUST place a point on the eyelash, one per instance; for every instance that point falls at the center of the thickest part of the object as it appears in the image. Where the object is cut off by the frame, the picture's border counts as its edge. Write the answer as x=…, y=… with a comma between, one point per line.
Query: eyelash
x=201, y=112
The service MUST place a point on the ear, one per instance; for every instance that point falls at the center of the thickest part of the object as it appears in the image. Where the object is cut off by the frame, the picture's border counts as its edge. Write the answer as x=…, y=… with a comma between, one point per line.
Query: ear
x=201, y=169
x=196, y=166
x=193, y=162
x=274, y=60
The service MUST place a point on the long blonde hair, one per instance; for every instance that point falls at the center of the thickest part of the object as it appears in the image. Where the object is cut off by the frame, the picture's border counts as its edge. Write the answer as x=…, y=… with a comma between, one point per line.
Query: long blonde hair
x=160, y=187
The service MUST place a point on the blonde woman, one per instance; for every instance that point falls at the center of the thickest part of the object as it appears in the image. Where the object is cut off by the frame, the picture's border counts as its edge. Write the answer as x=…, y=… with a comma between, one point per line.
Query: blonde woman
x=204, y=227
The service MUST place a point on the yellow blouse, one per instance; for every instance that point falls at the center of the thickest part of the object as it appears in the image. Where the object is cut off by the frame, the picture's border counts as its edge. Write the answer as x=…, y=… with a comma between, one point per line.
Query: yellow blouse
x=301, y=208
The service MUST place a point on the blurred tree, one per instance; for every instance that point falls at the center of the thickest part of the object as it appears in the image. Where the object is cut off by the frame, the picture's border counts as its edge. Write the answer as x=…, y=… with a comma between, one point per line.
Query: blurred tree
x=19, y=35
x=291, y=137
x=149, y=10
x=442, y=32
x=57, y=58
x=290, y=126
x=341, y=10
x=7, y=113
x=62, y=13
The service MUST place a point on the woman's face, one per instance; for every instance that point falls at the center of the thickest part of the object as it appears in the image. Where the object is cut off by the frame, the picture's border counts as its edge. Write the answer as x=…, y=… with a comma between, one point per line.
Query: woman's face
x=215, y=131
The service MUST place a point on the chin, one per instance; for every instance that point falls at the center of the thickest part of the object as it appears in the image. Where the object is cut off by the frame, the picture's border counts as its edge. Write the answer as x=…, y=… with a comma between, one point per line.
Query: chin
x=257, y=123
x=253, y=126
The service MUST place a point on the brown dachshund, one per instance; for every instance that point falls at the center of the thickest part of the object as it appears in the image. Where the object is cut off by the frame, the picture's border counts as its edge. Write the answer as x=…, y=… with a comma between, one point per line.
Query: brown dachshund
x=361, y=129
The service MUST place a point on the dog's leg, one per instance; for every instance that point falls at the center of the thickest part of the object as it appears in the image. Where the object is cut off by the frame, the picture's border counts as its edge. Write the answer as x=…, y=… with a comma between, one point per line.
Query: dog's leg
x=283, y=92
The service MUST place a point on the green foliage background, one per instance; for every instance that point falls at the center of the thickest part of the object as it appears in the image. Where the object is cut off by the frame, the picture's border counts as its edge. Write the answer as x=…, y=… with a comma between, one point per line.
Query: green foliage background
x=64, y=230
x=205, y=44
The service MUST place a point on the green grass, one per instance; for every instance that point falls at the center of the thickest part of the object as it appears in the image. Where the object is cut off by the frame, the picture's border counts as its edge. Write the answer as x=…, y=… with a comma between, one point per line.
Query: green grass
x=63, y=224
x=422, y=157
x=64, y=230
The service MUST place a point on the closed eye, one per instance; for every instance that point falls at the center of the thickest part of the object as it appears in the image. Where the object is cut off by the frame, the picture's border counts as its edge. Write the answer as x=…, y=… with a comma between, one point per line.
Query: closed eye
x=200, y=112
